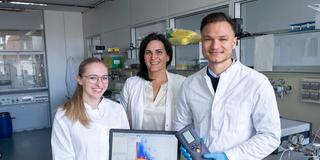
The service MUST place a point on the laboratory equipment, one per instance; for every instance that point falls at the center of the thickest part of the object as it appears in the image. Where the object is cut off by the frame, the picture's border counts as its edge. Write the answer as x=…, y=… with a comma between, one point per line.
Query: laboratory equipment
x=23, y=83
x=294, y=143
x=310, y=25
x=310, y=90
x=117, y=80
x=114, y=58
x=29, y=110
x=22, y=71
x=21, y=40
x=100, y=49
x=280, y=87
x=293, y=130
x=192, y=142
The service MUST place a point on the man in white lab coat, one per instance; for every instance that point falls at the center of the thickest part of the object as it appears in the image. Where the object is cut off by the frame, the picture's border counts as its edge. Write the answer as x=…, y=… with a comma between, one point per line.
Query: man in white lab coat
x=232, y=107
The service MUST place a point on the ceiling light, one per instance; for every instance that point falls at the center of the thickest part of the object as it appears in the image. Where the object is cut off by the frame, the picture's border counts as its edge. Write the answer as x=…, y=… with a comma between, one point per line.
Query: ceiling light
x=27, y=3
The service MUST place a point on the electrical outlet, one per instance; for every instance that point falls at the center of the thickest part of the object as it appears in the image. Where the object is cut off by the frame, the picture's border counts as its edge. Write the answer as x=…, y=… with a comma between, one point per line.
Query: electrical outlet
x=310, y=90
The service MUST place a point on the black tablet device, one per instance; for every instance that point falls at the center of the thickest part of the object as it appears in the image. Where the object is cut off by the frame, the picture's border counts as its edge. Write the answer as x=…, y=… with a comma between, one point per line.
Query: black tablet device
x=125, y=144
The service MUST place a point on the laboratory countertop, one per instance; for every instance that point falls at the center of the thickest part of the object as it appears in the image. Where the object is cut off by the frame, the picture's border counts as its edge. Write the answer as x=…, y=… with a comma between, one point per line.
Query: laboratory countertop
x=288, y=155
x=292, y=155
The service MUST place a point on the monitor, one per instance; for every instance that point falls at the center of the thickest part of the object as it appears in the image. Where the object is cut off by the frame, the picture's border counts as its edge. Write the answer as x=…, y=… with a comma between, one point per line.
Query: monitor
x=128, y=144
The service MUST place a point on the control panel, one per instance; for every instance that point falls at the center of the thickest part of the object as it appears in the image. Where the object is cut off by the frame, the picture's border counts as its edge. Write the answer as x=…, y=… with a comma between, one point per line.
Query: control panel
x=11, y=99
x=310, y=90
x=190, y=140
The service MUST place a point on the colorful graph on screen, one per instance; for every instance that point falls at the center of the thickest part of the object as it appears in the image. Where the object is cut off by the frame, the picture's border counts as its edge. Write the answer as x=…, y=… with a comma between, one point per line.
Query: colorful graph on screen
x=141, y=146
x=143, y=150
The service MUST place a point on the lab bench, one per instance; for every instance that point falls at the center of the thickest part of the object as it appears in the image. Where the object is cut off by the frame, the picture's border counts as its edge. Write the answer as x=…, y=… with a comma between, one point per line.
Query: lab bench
x=292, y=155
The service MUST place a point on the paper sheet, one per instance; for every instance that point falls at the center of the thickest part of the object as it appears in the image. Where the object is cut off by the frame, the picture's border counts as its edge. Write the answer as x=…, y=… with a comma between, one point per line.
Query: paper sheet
x=263, y=52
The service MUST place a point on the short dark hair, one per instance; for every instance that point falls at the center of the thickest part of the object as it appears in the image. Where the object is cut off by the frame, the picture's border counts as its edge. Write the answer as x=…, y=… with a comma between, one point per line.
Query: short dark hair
x=143, y=70
x=217, y=17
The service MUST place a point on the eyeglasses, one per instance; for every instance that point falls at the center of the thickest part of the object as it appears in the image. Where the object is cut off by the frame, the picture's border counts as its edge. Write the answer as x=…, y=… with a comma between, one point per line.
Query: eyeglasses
x=95, y=78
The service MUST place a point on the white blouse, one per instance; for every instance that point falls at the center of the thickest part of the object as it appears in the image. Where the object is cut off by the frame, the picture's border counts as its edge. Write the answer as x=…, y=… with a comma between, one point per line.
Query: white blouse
x=154, y=111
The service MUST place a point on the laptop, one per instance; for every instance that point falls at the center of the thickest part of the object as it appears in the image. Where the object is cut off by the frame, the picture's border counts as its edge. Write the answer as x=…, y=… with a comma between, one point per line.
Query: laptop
x=125, y=144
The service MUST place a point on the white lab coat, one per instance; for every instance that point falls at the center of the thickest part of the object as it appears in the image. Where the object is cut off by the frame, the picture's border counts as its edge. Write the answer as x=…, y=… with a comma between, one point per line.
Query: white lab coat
x=72, y=141
x=240, y=119
x=132, y=98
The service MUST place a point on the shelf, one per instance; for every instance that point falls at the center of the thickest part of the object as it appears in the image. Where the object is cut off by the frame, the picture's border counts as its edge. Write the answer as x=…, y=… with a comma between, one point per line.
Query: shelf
x=111, y=53
x=23, y=90
x=281, y=32
x=292, y=32
x=22, y=52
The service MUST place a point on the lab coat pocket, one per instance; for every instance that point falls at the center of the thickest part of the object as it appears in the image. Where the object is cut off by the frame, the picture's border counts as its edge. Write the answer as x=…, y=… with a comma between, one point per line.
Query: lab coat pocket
x=237, y=115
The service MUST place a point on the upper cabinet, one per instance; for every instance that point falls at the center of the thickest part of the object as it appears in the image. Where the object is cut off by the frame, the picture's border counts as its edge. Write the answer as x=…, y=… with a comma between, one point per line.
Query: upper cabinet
x=185, y=57
x=142, y=11
x=22, y=51
x=25, y=20
x=180, y=6
x=23, y=31
x=273, y=42
x=21, y=40
x=113, y=21
x=290, y=51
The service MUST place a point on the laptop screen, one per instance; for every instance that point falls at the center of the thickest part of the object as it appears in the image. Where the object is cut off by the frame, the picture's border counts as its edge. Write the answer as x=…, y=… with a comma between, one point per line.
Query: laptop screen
x=142, y=145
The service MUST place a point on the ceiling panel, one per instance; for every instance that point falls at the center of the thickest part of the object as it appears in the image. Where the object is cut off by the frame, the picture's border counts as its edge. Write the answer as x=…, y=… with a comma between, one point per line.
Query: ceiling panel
x=88, y=3
x=62, y=5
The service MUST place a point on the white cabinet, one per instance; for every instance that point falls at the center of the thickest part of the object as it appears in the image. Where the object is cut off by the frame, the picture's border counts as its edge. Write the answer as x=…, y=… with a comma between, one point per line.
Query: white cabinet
x=28, y=116
x=160, y=9
x=65, y=47
x=27, y=19
x=296, y=51
x=293, y=51
x=147, y=10
x=180, y=6
x=23, y=72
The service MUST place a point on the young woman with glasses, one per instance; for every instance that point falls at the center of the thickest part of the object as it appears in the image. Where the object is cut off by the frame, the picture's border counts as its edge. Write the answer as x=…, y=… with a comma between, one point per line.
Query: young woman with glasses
x=81, y=126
